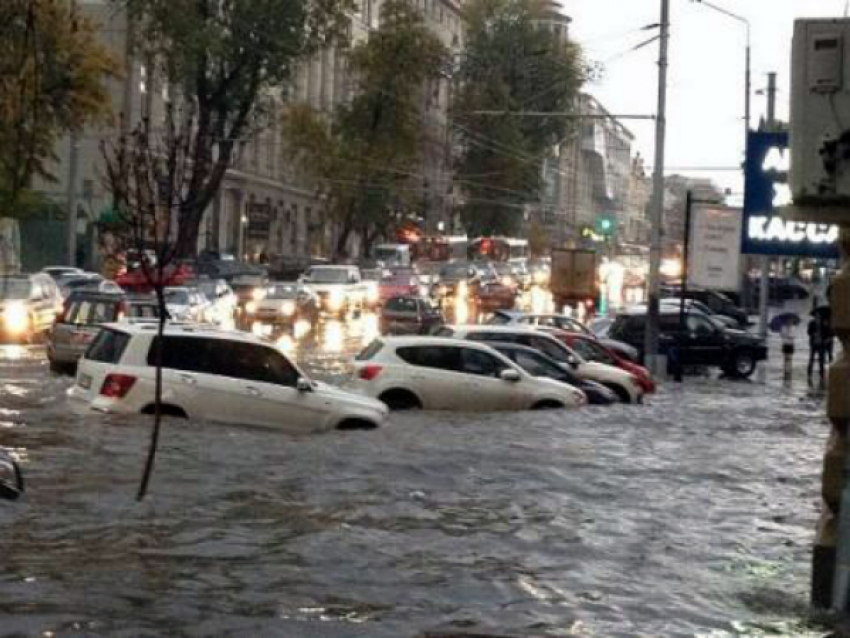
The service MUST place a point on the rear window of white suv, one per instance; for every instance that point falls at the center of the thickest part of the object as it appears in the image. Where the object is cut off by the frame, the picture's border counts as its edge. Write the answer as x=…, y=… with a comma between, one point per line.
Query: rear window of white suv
x=108, y=346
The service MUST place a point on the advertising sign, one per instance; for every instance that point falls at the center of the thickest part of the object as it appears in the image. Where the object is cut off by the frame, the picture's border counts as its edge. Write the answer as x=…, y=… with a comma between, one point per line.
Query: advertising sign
x=259, y=220
x=766, y=188
x=715, y=252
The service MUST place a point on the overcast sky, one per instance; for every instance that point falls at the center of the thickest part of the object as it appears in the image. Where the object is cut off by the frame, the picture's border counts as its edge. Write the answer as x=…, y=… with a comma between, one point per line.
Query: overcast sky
x=706, y=78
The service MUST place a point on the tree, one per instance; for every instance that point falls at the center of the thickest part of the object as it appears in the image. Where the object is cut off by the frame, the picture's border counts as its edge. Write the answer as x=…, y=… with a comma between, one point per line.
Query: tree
x=148, y=172
x=365, y=158
x=514, y=63
x=226, y=57
x=53, y=76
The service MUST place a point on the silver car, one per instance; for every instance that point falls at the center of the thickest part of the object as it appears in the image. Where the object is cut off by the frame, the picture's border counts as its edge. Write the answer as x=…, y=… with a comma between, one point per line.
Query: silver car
x=28, y=307
x=84, y=314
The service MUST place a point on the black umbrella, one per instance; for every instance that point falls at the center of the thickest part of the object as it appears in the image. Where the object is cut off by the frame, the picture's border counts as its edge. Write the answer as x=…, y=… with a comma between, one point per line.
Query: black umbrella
x=779, y=321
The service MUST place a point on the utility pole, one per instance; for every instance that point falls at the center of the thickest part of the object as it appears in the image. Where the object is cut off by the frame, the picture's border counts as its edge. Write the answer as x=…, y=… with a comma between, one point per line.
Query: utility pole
x=651, y=336
x=73, y=171
x=764, y=286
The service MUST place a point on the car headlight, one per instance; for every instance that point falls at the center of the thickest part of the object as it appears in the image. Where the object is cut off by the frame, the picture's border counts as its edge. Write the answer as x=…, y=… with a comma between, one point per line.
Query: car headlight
x=259, y=294
x=506, y=281
x=373, y=295
x=336, y=300
x=288, y=308
x=251, y=307
x=16, y=318
x=462, y=289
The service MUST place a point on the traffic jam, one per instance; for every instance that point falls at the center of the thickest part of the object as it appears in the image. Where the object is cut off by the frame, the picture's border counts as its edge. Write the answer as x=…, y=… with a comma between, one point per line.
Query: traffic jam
x=444, y=324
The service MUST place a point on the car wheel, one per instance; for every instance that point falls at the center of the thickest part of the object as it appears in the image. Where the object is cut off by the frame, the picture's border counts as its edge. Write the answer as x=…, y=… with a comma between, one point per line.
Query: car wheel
x=743, y=365
x=398, y=400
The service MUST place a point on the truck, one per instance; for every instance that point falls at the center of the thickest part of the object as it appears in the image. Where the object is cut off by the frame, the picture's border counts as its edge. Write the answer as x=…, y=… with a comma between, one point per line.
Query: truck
x=573, y=278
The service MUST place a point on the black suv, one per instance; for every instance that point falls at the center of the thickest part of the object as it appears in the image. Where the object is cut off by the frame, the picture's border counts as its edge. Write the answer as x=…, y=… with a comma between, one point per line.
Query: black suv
x=699, y=341
x=718, y=302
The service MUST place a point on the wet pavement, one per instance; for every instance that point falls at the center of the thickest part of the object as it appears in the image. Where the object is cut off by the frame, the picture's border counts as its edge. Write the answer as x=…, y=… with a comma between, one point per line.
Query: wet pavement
x=691, y=515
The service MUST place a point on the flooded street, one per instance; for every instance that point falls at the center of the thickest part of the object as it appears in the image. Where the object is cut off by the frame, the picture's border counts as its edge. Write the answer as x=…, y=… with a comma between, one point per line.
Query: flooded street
x=692, y=515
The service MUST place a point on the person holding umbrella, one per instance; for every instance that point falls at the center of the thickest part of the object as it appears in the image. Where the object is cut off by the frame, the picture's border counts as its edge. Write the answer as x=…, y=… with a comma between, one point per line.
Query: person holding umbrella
x=785, y=324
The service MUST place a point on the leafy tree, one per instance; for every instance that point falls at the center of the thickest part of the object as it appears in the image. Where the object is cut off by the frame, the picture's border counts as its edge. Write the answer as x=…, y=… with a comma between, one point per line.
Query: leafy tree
x=226, y=57
x=365, y=158
x=52, y=80
x=514, y=62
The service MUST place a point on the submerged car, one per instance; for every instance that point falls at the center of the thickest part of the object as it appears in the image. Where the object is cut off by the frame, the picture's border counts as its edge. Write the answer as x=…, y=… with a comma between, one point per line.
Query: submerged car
x=446, y=374
x=284, y=303
x=229, y=377
x=539, y=365
x=78, y=325
x=409, y=315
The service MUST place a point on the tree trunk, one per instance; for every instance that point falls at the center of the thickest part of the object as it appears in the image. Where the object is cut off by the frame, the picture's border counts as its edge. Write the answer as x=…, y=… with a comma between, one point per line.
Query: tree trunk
x=187, y=234
x=157, y=418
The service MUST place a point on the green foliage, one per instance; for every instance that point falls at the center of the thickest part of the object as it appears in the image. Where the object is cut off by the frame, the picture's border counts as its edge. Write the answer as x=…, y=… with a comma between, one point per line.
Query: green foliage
x=514, y=62
x=365, y=157
x=227, y=56
x=52, y=80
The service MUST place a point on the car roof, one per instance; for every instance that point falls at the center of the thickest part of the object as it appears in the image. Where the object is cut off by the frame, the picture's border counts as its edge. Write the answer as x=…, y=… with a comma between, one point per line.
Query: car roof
x=494, y=329
x=402, y=342
x=192, y=330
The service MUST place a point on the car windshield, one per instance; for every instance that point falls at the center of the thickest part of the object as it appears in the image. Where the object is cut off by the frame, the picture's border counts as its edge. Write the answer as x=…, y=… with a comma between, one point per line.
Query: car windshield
x=283, y=291
x=15, y=288
x=177, y=297
x=503, y=268
x=454, y=271
x=537, y=365
x=328, y=275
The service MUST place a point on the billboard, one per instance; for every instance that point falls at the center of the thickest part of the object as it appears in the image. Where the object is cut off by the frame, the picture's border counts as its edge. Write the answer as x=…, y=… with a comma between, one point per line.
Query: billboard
x=764, y=232
x=714, y=250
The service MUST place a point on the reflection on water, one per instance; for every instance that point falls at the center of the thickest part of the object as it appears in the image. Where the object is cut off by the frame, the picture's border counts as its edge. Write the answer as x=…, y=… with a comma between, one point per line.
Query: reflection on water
x=333, y=337
x=689, y=516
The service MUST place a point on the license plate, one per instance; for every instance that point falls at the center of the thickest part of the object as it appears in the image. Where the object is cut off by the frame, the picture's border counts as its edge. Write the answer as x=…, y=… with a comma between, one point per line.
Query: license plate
x=84, y=381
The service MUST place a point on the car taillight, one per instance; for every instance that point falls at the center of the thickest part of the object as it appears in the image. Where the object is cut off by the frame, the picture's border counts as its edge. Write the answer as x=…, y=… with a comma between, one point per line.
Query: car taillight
x=116, y=386
x=368, y=373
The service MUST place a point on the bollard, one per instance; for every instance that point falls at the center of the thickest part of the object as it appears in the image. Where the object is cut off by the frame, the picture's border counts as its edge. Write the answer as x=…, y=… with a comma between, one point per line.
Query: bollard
x=828, y=583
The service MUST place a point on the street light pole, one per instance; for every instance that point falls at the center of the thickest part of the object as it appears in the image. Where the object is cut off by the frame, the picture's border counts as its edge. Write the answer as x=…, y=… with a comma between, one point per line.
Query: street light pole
x=653, y=315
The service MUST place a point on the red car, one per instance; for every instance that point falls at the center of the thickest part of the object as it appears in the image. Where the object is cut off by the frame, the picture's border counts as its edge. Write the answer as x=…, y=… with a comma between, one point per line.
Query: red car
x=494, y=295
x=402, y=283
x=590, y=349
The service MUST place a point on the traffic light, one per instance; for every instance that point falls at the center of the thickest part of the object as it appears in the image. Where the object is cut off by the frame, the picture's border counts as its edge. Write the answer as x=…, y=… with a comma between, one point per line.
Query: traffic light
x=605, y=225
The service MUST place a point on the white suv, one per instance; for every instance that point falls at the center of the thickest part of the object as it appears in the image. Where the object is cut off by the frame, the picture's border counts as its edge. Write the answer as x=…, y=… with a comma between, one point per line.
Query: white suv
x=447, y=374
x=622, y=383
x=215, y=375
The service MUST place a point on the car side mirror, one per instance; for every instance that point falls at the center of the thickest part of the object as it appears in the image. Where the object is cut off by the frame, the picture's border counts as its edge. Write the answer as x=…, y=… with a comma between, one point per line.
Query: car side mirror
x=510, y=375
x=11, y=478
x=304, y=385
x=573, y=361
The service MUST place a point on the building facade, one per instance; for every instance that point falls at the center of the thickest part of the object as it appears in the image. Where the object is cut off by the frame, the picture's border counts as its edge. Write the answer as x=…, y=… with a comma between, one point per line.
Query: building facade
x=265, y=207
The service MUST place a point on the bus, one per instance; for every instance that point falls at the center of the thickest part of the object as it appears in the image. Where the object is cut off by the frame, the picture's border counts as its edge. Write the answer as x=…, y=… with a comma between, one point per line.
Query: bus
x=440, y=248
x=498, y=249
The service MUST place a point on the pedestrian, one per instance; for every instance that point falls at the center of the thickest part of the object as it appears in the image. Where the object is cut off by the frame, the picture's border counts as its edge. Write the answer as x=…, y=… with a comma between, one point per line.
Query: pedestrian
x=787, y=335
x=821, y=340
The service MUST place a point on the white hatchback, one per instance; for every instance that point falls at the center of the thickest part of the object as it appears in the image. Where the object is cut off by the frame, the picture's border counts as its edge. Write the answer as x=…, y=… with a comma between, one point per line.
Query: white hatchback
x=209, y=374
x=448, y=374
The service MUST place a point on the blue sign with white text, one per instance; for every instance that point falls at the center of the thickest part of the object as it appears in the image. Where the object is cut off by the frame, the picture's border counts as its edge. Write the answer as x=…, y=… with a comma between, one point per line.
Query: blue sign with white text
x=766, y=188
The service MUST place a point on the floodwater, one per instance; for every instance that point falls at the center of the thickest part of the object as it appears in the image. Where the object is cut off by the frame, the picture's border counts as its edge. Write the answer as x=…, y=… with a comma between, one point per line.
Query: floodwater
x=692, y=515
